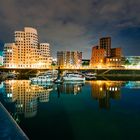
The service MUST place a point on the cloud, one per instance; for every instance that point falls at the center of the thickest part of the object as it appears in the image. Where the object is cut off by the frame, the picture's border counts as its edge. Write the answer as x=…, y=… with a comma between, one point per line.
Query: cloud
x=69, y=24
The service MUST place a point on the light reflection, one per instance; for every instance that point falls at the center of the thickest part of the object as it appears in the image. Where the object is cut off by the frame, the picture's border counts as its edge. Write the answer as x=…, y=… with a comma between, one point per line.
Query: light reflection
x=25, y=96
x=103, y=91
x=69, y=88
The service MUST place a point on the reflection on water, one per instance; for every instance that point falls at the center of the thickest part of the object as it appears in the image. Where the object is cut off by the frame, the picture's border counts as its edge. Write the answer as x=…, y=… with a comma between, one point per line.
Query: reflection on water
x=103, y=91
x=25, y=96
x=70, y=110
x=69, y=88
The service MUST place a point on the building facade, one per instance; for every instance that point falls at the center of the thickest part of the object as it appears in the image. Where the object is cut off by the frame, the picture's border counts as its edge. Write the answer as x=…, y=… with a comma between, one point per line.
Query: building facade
x=114, y=62
x=131, y=61
x=1, y=58
x=105, y=43
x=10, y=55
x=98, y=57
x=115, y=59
x=45, y=58
x=29, y=53
x=116, y=52
x=69, y=59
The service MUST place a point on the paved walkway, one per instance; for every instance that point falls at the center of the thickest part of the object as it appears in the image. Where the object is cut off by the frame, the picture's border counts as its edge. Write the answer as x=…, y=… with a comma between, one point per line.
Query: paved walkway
x=9, y=129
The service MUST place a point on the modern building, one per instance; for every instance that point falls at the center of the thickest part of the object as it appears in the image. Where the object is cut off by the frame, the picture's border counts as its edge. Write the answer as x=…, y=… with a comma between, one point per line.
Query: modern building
x=114, y=62
x=131, y=61
x=69, y=59
x=60, y=58
x=115, y=59
x=116, y=52
x=105, y=56
x=98, y=57
x=29, y=53
x=45, y=49
x=10, y=55
x=45, y=58
x=105, y=43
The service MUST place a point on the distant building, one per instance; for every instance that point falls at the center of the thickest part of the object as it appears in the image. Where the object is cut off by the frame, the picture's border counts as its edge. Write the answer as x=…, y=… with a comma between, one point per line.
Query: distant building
x=60, y=58
x=115, y=59
x=116, y=52
x=1, y=59
x=98, y=57
x=26, y=51
x=105, y=56
x=105, y=43
x=69, y=59
x=114, y=62
x=131, y=61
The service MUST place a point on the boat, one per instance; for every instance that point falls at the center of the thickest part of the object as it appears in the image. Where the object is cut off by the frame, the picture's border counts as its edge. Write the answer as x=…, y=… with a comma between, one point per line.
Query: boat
x=49, y=76
x=73, y=77
x=90, y=76
x=43, y=78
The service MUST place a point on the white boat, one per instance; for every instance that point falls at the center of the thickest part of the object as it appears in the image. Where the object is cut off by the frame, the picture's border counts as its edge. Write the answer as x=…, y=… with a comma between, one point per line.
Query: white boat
x=73, y=77
x=43, y=78
x=49, y=76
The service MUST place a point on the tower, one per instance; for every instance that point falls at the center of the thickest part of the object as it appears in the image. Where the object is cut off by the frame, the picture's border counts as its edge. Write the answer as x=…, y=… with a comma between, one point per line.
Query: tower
x=105, y=43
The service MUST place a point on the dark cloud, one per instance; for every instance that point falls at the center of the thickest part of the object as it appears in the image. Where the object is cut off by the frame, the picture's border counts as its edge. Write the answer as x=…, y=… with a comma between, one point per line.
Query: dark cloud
x=73, y=24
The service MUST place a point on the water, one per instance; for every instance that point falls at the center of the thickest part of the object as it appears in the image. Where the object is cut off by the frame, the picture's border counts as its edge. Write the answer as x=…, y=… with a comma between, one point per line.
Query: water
x=94, y=110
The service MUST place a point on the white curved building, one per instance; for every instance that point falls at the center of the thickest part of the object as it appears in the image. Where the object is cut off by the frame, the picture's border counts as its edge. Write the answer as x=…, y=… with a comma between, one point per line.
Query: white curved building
x=30, y=54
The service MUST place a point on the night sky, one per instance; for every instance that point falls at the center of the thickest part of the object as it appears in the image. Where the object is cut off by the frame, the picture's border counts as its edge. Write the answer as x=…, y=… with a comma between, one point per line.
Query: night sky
x=74, y=24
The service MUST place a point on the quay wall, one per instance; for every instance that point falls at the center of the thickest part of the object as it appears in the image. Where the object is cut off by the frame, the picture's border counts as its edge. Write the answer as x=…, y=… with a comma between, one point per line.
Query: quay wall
x=99, y=72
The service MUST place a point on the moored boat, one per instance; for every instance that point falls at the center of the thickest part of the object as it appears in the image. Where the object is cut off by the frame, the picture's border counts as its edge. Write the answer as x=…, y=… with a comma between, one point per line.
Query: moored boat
x=44, y=78
x=49, y=76
x=73, y=77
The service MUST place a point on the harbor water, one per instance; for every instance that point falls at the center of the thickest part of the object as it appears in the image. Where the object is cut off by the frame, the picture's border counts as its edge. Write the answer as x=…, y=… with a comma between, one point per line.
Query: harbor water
x=99, y=109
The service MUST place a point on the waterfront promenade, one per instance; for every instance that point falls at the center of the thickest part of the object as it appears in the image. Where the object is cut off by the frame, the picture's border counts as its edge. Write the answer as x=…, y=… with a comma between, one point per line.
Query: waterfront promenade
x=9, y=129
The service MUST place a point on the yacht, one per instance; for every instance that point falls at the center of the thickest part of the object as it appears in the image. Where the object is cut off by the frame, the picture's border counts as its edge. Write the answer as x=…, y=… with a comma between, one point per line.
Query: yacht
x=47, y=77
x=42, y=78
x=73, y=77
